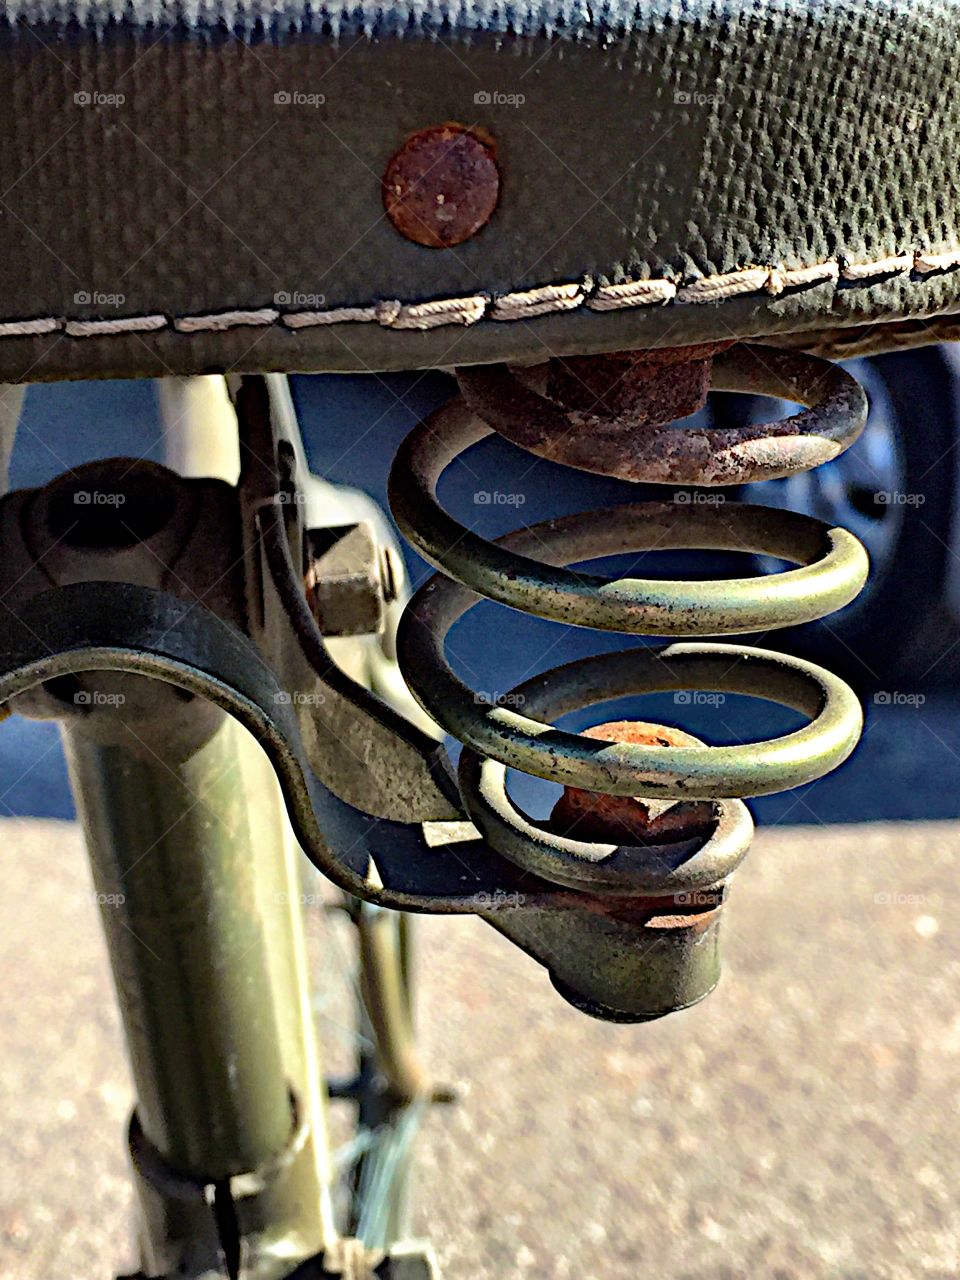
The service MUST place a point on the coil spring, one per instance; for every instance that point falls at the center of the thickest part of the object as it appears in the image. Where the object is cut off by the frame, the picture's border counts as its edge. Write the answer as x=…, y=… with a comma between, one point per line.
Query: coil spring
x=527, y=570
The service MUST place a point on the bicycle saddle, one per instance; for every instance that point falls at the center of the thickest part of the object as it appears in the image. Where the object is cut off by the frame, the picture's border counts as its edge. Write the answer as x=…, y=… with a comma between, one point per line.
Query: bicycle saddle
x=193, y=186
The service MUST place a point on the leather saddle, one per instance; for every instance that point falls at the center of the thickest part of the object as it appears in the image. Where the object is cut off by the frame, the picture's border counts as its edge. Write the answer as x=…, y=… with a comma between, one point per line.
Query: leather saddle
x=201, y=186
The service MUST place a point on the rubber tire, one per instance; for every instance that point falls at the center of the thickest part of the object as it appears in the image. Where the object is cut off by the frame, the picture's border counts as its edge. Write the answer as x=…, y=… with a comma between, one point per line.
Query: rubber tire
x=901, y=629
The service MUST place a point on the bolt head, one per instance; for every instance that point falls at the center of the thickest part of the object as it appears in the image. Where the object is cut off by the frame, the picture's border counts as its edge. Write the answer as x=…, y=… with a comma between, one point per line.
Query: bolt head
x=636, y=388
x=589, y=815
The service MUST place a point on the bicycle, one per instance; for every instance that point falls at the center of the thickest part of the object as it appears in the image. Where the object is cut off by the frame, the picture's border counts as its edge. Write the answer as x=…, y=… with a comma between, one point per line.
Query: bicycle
x=167, y=615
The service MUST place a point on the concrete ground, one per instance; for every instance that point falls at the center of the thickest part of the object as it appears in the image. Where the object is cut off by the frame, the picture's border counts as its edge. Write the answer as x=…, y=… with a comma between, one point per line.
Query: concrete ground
x=801, y=1123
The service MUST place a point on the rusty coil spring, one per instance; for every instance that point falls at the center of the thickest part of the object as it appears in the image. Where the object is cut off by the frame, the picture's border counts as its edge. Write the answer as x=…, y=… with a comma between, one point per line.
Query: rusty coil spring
x=527, y=570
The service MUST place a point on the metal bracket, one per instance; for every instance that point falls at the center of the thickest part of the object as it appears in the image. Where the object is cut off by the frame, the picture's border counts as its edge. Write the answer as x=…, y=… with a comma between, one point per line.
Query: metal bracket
x=212, y=600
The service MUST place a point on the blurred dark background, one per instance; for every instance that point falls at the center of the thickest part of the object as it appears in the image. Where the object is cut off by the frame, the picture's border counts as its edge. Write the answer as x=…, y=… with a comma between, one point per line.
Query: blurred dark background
x=897, y=489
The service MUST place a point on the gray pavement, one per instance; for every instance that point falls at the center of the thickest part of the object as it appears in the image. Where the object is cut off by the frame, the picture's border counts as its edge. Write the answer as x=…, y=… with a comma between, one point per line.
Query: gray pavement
x=800, y=1124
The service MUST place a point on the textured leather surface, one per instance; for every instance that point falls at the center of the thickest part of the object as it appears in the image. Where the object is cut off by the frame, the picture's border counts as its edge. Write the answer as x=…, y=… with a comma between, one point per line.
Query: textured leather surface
x=162, y=162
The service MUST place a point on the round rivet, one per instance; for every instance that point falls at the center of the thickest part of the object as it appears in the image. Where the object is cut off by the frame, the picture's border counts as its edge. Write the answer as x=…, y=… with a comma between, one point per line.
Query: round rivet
x=441, y=186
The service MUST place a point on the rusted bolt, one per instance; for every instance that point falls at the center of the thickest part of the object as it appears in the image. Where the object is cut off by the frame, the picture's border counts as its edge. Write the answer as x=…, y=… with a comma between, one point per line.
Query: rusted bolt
x=442, y=186
x=589, y=815
x=641, y=388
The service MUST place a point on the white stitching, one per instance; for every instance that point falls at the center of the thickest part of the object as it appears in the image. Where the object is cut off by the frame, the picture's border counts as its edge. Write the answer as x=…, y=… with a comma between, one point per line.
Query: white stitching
x=337, y=315
x=632, y=293
x=430, y=315
x=924, y=263
x=525, y=304
x=123, y=324
x=730, y=285
x=226, y=320
x=27, y=328
x=893, y=266
x=803, y=277
x=539, y=302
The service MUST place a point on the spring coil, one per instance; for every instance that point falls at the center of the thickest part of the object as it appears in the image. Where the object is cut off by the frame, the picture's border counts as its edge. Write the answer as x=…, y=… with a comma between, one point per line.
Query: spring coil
x=528, y=570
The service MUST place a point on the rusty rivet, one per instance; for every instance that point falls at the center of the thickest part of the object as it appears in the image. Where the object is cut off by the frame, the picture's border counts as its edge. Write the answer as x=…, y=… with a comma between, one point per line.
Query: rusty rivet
x=442, y=186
